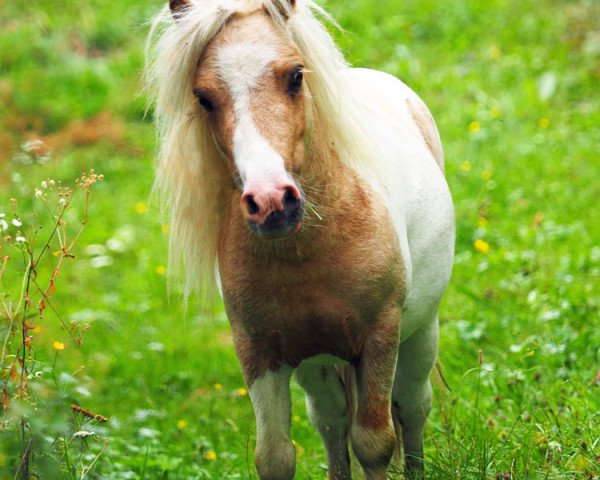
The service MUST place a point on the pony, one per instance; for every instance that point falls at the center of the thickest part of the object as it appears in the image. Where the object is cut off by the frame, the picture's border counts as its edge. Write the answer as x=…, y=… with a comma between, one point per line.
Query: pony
x=313, y=196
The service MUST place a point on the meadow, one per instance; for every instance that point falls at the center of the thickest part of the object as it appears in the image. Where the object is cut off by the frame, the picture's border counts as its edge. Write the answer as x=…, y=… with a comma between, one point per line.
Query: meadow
x=514, y=88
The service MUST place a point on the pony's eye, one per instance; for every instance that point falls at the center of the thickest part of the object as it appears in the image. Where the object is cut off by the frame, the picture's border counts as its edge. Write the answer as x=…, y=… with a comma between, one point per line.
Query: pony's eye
x=204, y=101
x=295, y=81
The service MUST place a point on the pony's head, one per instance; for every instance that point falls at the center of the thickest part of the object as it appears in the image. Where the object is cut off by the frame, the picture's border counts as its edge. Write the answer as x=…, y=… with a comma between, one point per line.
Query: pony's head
x=249, y=87
x=247, y=94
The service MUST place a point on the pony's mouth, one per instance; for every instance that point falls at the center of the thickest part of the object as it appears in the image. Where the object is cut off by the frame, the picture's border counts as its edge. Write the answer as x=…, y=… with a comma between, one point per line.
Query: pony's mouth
x=280, y=224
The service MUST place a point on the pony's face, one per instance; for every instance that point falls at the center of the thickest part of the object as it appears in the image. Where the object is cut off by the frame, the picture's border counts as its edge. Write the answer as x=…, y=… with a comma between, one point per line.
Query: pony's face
x=249, y=82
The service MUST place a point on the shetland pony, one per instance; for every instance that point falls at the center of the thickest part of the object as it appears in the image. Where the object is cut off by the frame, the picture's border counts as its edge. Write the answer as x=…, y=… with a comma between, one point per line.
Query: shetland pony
x=313, y=194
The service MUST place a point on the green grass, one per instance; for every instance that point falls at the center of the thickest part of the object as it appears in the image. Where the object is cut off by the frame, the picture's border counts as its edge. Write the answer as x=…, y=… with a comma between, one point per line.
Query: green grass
x=514, y=90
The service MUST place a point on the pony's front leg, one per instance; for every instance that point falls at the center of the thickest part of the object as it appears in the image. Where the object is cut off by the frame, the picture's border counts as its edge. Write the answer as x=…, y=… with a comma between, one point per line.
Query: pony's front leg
x=275, y=455
x=373, y=435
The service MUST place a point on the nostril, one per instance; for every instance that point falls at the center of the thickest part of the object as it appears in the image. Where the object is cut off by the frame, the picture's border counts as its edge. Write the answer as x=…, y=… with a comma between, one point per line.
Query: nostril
x=291, y=202
x=251, y=205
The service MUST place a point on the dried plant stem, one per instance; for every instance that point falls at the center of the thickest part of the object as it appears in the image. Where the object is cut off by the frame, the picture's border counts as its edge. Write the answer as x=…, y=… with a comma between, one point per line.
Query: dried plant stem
x=4, y=262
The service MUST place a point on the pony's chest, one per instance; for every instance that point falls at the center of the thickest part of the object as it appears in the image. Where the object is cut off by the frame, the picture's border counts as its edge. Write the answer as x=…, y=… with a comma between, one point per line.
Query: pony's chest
x=319, y=292
x=298, y=310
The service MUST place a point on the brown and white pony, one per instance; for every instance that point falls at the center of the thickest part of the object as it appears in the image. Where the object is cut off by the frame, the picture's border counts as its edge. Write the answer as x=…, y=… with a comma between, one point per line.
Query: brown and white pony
x=315, y=192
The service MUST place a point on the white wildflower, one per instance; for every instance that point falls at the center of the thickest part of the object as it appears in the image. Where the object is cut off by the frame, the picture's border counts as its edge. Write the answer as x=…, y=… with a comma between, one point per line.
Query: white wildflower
x=148, y=432
x=101, y=261
x=45, y=158
x=51, y=182
x=39, y=193
x=22, y=158
x=20, y=239
x=2, y=215
x=557, y=447
x=3, y=225
x=116, y=245
x=16, y=222
x=83, y=433
x=62, y=202
x=44, y=184
x=156, y=347
x=32, y=145
x=95, y=249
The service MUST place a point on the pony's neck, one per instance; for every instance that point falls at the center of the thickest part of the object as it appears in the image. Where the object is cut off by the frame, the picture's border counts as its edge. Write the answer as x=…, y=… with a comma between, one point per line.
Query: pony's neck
x=336, y=201
x=330, y=182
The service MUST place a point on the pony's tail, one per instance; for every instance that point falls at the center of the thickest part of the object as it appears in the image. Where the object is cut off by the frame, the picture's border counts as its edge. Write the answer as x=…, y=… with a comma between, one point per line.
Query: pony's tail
x=438, y=378
x=347, y=375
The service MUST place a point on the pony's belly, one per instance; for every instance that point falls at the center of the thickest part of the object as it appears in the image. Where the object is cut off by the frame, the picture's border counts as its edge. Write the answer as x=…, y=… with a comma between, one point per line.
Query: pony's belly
x=326, y=359
x=324, y=337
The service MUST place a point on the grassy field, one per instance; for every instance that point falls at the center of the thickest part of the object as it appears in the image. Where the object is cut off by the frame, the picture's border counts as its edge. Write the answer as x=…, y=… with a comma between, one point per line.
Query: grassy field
x=514, y=87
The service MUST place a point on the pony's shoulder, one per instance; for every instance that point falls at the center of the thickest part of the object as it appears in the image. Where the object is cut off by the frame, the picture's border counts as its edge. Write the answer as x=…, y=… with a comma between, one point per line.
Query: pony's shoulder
x=379, y=82
x=388, y=93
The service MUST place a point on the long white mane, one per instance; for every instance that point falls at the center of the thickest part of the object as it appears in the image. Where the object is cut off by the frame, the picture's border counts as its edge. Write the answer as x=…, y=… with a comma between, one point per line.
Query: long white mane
x=191, y=176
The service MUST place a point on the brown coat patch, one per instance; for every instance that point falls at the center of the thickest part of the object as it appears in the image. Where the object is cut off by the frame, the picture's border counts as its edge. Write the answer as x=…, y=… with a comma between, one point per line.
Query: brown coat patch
x=426, y=124
x=320, y=291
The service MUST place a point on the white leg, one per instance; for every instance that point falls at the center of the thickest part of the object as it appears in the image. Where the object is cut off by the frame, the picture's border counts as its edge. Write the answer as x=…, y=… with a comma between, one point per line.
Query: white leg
x=327, y=408
x=411, y=394
x=275, y=455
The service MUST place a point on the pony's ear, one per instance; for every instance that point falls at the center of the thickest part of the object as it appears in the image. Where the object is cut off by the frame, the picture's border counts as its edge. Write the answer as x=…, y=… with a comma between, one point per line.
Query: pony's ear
x=178, y=7
x=283, y=9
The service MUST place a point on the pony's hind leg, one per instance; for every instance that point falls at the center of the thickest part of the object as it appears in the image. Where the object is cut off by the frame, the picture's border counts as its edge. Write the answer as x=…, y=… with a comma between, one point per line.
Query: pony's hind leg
x=412, y=393
x=275, y=455
x=327, y=408
x=372, y=433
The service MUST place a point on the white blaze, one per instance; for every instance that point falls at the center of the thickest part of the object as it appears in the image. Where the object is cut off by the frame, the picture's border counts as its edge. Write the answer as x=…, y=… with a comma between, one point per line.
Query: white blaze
x=241, y=67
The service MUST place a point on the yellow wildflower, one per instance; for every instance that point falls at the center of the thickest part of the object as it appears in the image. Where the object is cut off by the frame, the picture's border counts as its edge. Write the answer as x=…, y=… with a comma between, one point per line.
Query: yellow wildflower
x=242, y=392
x=211, y=455
x=486, y=175
x=494, y=113
x=581, y=463
x=218, y=386
x=495, y=52
x=466, y=166
x=161, y=270
x=544, y=122
x=140, y=207
x=296, y=418
x=474, y=127
x=299, y=449
x=58, y=345
x=482, y=222
x=481, y=246
x=37, y=329
x=181, y=424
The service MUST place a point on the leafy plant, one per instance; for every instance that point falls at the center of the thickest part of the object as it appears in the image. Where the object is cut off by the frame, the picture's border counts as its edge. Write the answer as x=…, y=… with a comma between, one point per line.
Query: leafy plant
x=33, y=394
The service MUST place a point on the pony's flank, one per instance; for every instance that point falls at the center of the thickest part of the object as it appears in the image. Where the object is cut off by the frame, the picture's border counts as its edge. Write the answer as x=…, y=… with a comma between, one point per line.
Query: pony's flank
x=191, y=176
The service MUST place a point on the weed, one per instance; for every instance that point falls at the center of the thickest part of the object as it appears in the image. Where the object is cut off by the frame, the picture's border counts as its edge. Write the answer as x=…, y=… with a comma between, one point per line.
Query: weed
x=24, y=380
